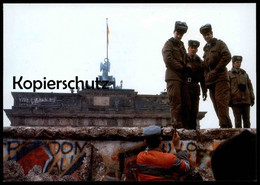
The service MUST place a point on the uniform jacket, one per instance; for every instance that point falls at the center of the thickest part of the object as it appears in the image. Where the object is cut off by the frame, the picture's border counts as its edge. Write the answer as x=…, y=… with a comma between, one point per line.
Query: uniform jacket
x=156, y=165
x=216, y=57
x=174, y=56
x=240, y=95
x=197, y=75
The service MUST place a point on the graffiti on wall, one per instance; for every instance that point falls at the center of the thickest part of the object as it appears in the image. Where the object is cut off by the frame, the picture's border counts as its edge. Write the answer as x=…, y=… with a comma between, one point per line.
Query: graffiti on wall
x=60, y=157
x=198, y=155
x=36, y=100
x=122, y=163
x=63, y=157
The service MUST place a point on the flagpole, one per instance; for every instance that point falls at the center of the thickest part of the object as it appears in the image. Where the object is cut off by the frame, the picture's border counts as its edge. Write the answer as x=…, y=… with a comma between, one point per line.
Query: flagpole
x=107, y=37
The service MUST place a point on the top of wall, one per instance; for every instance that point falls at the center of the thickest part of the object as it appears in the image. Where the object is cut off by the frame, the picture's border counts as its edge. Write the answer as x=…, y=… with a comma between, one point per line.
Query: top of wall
x=114, y=133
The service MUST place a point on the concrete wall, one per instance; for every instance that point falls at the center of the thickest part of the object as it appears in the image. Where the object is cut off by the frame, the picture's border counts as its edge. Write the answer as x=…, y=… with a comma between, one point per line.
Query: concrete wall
x=101, y=153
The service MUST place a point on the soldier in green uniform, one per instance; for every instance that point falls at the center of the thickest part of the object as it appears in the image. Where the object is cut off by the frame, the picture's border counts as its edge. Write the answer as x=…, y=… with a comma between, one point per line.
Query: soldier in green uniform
x=174, y=56
x=216, y=57
x=192, y=92
x=241, y=91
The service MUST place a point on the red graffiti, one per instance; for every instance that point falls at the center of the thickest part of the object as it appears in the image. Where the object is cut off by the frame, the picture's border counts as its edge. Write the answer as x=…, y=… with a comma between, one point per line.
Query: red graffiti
x=35, y=157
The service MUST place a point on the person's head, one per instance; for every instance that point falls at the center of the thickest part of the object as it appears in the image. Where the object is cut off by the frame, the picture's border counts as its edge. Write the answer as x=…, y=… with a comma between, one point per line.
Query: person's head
x=206, y=31
x=236, y=61
x=235, y=158
x=193, y=47
x=152, y=136
x=179, y=30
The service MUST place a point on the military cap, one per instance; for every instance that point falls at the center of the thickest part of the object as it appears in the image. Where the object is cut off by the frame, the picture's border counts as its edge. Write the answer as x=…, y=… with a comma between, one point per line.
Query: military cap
x=194, y=43
x=152, y=130
x=181, y=27
x=205, y=29
x=237, y=58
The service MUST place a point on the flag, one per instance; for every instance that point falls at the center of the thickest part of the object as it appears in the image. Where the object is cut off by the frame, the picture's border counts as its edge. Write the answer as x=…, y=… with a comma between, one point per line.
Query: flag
x=107, y=34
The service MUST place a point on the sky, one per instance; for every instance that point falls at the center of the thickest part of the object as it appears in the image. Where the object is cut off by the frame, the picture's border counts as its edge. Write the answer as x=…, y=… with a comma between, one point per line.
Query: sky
x=62, y=41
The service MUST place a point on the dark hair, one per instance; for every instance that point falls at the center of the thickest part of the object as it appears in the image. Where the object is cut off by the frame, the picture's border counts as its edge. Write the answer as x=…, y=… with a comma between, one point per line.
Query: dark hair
x=235, y=158
x=153, y=141
x=211, y=32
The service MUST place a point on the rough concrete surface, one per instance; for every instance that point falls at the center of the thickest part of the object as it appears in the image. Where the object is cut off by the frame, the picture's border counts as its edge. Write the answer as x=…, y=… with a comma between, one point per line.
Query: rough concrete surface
x=96, y=153
x=112, y=133
x=14, y=172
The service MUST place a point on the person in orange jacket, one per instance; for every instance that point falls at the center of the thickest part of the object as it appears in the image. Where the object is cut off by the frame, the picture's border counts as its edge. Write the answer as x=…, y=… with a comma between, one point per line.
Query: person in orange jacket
x=155, y=165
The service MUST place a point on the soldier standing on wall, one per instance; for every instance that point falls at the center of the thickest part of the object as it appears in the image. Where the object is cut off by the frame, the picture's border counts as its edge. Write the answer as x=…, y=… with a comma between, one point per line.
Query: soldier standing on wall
x=241, y=92
x=174, y=56
x=216, y=57
x=192, y=87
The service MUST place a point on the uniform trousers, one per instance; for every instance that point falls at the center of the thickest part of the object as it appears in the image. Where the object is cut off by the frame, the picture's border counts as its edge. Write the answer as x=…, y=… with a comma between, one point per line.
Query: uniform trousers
x=174, y=91
x=241, y=110
x=193, y=105
x=220, y=94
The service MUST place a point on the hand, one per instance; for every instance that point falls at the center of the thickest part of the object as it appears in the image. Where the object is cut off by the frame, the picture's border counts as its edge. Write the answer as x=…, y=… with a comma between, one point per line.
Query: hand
x=204, y=96
x=211, y=76
x=252, y=102
x=176, y=140
x=188, y=70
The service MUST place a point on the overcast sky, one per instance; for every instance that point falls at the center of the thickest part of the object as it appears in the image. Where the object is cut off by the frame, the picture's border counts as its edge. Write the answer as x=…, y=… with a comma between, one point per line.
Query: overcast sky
x=61, y=41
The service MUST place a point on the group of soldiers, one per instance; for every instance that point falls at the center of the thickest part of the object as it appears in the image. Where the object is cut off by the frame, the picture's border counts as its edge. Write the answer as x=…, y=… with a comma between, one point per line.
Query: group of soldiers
x=185, y=71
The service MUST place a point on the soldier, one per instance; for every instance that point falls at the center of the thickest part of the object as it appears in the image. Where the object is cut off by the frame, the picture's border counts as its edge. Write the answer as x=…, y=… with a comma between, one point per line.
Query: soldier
x=216, y=57
x=174, y=56
x=241, y=92
x=193, y=88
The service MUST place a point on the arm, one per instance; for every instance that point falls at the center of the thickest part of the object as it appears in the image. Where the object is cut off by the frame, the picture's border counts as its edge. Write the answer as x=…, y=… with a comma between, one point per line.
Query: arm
x=182, y=162
x=176, y=141
x=225, y=57
x=169, y=57
x=202, y=81
x=251, y=92
x=230, y=89
x=204, y=90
